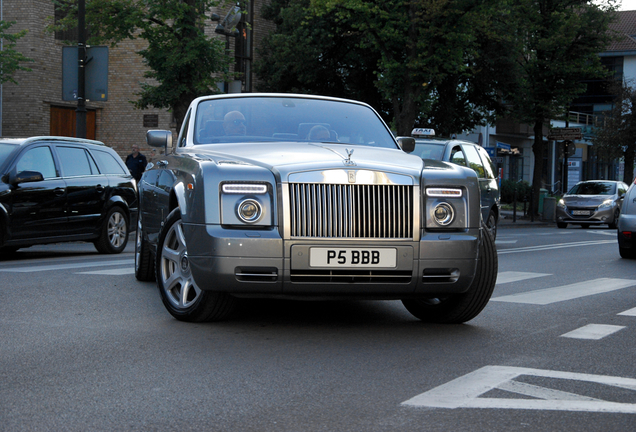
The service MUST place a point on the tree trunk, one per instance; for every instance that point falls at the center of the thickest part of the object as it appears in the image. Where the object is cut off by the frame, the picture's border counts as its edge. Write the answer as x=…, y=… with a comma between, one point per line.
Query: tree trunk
x=628, y=176
x=537, y=149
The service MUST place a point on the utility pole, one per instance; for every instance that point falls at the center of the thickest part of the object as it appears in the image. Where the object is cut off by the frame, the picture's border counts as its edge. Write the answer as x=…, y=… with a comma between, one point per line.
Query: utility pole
x=80, y=131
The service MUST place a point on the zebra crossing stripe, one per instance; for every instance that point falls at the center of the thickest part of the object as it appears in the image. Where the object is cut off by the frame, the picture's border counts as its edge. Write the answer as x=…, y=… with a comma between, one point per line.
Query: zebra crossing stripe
x=567, y=292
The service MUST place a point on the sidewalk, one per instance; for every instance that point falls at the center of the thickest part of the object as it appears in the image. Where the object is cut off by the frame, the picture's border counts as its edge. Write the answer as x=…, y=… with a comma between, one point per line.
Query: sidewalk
x=506, y=220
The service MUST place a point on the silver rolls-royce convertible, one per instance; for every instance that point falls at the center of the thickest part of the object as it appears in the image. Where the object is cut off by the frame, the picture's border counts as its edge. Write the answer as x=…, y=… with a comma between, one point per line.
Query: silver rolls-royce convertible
x=296, y=196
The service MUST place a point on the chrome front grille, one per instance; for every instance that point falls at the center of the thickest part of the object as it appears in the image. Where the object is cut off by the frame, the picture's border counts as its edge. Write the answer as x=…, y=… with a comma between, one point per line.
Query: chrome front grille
x=373, y=211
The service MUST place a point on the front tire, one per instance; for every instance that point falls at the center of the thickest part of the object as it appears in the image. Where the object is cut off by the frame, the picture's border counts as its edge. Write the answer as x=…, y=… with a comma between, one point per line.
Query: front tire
x=614, y=223
x=114, y=232
x=562, y=225
x=179, y=292
x=459, y=308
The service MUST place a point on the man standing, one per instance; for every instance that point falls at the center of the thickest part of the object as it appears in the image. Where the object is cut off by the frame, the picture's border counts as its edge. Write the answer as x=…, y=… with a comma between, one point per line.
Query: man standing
x=136, y=163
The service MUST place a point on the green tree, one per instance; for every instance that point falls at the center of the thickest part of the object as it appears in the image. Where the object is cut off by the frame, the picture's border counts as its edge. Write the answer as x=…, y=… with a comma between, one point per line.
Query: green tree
x=429, y=52
x=11, y=59
x=183, y=63
x=615, y=137
x=316, y=54
x=558, y=46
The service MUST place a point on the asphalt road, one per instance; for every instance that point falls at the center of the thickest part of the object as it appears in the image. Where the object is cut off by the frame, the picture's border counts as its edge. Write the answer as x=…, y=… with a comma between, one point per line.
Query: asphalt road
x=85, y=346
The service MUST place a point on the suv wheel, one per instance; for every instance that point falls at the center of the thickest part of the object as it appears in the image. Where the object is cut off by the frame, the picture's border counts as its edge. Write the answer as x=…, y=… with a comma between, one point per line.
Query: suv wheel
x=113, y=235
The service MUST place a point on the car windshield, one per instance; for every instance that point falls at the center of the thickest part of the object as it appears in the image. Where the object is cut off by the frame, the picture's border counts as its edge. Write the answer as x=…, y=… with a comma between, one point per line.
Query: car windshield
x=267, y=119
x=429, y=150
x=594, y=188
x=5, y=151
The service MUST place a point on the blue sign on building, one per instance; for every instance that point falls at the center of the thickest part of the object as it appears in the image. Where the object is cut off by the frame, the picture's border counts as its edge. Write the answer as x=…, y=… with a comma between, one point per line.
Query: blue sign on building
x=503, y=145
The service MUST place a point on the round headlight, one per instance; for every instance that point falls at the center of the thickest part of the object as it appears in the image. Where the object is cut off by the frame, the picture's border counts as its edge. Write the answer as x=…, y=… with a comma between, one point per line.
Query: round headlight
x=443, y=214
x=249, y=211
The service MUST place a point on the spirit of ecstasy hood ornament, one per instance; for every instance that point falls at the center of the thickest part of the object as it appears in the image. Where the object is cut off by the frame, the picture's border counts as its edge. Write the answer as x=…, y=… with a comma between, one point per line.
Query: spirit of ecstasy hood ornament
x=348, y=161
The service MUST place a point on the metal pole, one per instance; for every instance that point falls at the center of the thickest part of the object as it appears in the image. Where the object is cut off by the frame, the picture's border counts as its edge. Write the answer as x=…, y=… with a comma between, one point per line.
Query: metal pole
x=81, y=71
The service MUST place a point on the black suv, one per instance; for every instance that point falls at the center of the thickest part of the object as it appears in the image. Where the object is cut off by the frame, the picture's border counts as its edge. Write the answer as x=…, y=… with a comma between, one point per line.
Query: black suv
x=55, y=189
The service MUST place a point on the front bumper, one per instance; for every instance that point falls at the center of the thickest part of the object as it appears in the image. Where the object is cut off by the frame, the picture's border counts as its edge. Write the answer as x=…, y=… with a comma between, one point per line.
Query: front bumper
x=261, y=263
x=598, y=217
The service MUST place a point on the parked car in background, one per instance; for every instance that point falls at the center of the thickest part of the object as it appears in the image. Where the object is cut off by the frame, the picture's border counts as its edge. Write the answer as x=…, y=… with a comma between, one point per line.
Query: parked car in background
x=468, y=154
x=627, y=224
x=59, y=189
x=307, y=197
x=591, y=202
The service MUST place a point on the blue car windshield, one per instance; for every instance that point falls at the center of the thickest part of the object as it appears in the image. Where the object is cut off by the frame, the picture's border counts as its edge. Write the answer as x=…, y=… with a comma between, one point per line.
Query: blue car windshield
x=274, y=119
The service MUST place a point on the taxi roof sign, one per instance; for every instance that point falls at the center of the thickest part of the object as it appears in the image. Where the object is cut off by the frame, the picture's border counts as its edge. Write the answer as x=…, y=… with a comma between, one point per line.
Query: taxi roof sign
x=419, y=132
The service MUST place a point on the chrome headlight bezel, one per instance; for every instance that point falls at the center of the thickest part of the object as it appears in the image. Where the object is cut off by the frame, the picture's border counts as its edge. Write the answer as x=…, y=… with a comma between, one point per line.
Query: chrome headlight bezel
x=446, y=208
x=246, y=204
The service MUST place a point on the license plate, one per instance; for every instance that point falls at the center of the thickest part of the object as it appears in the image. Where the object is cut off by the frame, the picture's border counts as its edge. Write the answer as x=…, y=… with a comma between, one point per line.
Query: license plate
x=581, y=212
x=353, y=257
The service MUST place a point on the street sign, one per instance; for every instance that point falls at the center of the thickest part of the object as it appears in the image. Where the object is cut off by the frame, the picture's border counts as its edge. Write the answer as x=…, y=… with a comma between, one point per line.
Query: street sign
x=569, y=133
x=96, y=87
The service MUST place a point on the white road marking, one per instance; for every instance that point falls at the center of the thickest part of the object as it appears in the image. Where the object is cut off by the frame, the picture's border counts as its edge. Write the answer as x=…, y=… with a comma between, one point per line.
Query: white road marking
x=611, y=233
x=630, y=312
x=593, y=331
x=567, y=292
x=465, y=392
x=556, y=246
x=498, y=242
x=513, y=276
x=29, y=269
x=111, y=272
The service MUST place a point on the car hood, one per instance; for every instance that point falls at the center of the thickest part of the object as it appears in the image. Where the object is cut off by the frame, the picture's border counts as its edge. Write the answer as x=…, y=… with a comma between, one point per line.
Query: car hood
x=286, y=157
x=586, y=200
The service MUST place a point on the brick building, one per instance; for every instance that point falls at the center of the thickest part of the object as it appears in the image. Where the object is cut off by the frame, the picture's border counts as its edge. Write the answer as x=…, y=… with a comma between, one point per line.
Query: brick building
x=35, y=106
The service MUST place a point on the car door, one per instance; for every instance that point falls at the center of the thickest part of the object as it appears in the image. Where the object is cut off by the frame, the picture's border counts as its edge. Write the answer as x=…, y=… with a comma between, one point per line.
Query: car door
x=485, y=187
x=37, y=209
x=85, y=189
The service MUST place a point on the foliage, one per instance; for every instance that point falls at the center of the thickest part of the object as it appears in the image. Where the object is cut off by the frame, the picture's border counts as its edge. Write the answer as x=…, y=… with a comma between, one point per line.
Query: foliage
x=316, y=54
x=10, y=59
x=615, y=135
x=508, y=190
x=557, y=46
x=414, y=60
x=183, y=62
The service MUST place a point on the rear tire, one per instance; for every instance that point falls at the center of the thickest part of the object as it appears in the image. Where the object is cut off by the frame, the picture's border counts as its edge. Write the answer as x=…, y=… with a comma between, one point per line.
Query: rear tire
x=459, y=308
x=491, y=224
x=627, y=253
x=179, y=292
x=114, y=232
x=144, y=264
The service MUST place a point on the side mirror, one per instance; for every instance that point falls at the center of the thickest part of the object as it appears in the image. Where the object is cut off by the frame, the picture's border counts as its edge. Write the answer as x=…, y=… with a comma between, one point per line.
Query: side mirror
x=27, y=177
x=159, y=138
x=407, y=144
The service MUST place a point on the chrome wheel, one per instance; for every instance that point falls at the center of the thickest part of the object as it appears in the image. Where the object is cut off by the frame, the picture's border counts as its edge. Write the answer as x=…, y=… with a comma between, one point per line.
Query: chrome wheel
x=176, y=278
x=117, y=230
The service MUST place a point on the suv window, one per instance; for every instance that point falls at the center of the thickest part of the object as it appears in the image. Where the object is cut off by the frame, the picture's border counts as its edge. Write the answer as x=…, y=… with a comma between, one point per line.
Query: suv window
x=107, y=163
x=474, y=161
x=457, y=156
x=76, y=162
x=38, y=159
